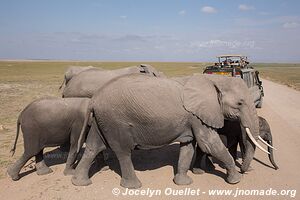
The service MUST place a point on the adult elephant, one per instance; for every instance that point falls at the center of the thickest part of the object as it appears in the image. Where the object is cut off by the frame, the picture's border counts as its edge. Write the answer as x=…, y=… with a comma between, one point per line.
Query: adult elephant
x=142, y=112
x=73, y=71
x=87, y=82
x=231, y=136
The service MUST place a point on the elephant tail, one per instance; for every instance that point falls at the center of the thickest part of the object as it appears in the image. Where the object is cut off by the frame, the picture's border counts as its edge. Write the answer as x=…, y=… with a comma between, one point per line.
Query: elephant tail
x=88, y=117
x=13, y=149
x=62, y=84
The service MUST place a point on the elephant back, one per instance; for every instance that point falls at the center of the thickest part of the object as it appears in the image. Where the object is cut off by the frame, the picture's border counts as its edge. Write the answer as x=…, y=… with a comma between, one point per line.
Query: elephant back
x=86, y=83
x=147, y=96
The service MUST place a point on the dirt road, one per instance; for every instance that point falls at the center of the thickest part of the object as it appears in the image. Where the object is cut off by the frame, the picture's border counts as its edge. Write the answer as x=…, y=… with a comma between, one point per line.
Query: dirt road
x=155, y=168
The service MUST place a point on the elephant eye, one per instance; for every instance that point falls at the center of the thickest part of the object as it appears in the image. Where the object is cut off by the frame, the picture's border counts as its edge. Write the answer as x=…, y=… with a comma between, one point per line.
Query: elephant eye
x=240, y=102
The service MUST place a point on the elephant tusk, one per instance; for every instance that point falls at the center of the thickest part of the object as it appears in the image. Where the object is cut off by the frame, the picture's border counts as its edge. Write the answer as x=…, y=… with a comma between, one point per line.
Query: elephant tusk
x=262, y=140
x=254, y=141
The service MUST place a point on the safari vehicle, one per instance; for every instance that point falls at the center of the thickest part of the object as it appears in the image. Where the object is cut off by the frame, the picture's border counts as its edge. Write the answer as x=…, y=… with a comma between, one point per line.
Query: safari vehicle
x=238, y=66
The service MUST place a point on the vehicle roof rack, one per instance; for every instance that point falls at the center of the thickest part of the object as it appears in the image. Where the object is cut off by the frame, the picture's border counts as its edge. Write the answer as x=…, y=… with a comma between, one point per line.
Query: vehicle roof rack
x=231, y=55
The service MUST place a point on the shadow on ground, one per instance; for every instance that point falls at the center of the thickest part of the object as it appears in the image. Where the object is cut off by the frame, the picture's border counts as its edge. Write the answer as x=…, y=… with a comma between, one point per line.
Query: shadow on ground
x=143, y=160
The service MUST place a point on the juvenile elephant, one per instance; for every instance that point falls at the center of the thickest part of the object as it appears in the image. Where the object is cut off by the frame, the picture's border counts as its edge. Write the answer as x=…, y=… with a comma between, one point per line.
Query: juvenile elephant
x=231, y=136
x=49, y=122
x=87, y=82
x=73, y=71
x=143, y=112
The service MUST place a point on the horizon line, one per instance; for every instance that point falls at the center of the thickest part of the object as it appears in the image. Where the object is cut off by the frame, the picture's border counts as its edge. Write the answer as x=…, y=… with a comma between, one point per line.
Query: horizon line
x=133, y=61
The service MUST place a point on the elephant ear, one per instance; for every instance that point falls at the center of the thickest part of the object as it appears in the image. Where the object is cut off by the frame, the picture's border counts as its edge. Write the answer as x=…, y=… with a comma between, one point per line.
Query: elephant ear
x=148, y=69
x=201, y=98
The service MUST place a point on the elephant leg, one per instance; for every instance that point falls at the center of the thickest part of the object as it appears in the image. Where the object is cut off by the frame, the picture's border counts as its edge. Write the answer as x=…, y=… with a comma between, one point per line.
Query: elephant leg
x=41, y=167
x=69, y=170
x=184, y=162
x=233, y=151
x=14, y=170
x=129, y=178
x=202, y=158
x=243, y=150
x=210, y=142
x=101, y=161
x=197, y=168
x=94, y=145
x=209, y=166
x=81, y=175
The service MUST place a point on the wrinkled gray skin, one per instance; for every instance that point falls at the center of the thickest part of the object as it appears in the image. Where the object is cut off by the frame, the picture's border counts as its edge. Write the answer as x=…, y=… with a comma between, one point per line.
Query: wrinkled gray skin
x=88, y=82
x=90, y=79
x=73, y=71
x=142, y=112
x=49, y=122
x=231, y=136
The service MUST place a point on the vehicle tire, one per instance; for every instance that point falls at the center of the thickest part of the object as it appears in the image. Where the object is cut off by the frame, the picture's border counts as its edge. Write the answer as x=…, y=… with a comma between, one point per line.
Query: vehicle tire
x=259, y=105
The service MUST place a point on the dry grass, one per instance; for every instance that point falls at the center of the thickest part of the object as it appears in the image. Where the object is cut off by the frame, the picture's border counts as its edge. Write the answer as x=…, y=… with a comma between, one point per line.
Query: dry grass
x=287, y=74
x=21, y=82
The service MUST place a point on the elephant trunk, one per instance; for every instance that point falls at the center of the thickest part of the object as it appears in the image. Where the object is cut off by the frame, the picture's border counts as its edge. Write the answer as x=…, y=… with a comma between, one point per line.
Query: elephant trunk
x=271, y=157
x=266, y=137
x=248, y=157
x=250, y=129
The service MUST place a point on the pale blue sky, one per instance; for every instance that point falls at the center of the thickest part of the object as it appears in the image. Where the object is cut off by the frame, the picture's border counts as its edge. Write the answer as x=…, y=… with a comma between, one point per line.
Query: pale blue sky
x=150, y=30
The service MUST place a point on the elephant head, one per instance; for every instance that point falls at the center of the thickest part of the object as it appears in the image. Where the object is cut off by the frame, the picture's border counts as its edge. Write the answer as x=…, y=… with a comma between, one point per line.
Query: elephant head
x=148, y=69
x=213, y=98
x=73, y=71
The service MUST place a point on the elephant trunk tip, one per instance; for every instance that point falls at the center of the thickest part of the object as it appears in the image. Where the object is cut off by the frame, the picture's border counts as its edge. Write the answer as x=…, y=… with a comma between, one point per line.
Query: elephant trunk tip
x=271, y=158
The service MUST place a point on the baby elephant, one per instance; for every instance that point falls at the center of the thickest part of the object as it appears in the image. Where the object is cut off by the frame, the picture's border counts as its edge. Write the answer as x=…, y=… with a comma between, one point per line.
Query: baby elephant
x=49, y=122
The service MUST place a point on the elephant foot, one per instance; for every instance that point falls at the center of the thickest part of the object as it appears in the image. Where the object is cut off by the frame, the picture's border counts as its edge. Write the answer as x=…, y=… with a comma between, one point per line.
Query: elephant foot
x=42, y=168
x=233, y=176
x=131, y=183
x=13, y=175
x=182, y=179
x=79, y=181
x=243, y=170
x=69, y=171
x=198, y=171
x=43, y=171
